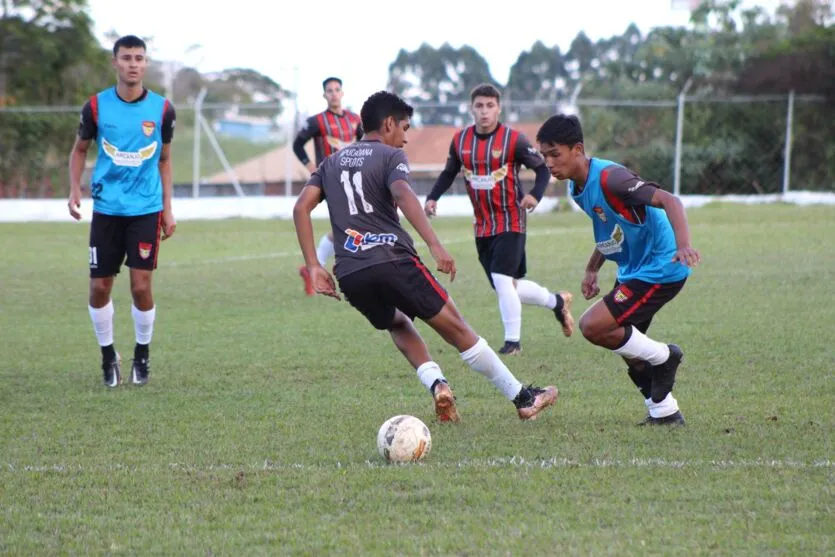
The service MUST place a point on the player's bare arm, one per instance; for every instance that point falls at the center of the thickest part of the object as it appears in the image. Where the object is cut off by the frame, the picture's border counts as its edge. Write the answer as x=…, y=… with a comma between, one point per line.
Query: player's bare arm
x=685, y=253
x=78, y=159
x=169, y=225
x=308, y=199
x=589, y=286
x=408, y=202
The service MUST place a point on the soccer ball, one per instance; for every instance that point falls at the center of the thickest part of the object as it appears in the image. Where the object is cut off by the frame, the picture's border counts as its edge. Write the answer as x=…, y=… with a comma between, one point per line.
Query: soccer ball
x=404, y=438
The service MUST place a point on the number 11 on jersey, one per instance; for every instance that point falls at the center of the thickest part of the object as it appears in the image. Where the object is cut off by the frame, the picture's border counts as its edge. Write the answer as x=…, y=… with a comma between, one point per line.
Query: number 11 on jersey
x=347, y=181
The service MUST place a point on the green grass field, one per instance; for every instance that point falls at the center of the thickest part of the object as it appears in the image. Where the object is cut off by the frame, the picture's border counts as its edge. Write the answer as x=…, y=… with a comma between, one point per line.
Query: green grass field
x=256, y=434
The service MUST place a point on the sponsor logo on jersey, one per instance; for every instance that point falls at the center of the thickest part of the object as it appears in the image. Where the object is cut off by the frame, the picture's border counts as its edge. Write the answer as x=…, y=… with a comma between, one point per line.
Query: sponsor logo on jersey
x=128, y=158
x=485, y=182
x=366, y=240
x=614, y=244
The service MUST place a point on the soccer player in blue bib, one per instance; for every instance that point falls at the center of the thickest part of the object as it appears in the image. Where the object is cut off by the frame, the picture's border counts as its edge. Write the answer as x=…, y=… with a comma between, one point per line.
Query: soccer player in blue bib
x=131, y=187
x=643, y=229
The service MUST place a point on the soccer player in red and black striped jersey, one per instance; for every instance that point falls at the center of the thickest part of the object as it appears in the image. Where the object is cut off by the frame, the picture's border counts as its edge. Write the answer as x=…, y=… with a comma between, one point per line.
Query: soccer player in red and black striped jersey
x=330, y=130
x=491, y=155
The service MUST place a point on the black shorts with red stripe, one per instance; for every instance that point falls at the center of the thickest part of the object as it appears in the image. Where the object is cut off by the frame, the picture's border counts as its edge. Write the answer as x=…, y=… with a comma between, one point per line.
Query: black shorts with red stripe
x=116, y=239
x=635, y=302
x=406, y=284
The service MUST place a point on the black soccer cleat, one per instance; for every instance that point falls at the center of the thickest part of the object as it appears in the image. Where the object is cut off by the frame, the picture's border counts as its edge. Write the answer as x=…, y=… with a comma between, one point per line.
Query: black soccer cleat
x=139, y=371
x=664, y=375
x=674, y=419
x=112, y=371
x=511, y=348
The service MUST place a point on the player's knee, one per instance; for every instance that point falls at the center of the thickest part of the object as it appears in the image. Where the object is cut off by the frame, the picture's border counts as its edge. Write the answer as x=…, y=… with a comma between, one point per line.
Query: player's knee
x=140, y=288
x=100, y=289
x=591, y=330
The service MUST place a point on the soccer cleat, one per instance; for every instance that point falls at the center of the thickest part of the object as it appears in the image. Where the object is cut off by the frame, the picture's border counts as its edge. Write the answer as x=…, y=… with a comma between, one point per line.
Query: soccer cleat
x=564, y=314
x=308, y=282
x=664, y=375
x=532, y=400
x=511, y=348
x=139, y=371
x=112, y=371
x=445, y=403
x=674, y=419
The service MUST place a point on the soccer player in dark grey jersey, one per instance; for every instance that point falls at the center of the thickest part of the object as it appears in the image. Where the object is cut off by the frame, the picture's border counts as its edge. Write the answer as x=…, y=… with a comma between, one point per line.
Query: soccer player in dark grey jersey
x=377, y=266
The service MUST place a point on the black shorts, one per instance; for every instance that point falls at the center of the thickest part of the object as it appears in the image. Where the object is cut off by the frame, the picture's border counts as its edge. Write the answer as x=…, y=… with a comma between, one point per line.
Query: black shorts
x=503, y=254
x=114, y=238
x=635, y=302
x=407, y=285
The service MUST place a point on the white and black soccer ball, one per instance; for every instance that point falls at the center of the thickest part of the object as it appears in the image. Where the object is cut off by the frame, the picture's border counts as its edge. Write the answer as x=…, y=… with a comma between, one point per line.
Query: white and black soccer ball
x=404, y=438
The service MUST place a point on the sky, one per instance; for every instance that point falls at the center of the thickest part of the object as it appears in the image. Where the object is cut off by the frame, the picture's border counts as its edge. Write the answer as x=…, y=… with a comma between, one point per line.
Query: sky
x=357, y=41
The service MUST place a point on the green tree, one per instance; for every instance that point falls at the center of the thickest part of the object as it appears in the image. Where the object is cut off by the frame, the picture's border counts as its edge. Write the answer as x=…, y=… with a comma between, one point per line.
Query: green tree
x=444, y=75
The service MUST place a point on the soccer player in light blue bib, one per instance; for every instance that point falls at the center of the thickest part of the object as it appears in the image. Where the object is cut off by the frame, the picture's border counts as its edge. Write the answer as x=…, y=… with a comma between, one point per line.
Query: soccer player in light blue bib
x=131, y=186
x=643, y=230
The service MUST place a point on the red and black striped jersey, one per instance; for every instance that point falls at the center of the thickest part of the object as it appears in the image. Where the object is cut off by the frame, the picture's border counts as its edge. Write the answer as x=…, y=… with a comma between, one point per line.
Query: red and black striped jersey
x=330, y=132
x=491, y=164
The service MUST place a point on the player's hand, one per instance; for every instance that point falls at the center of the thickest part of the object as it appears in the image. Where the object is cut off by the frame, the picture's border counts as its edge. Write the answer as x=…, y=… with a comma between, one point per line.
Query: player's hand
x=169, y=225
x=529, y=203
x=589, y=286
x=74, y=204
x=323, y=282
x=688, y=256
x=430, y=208
x=311, y=167
x=444, y=261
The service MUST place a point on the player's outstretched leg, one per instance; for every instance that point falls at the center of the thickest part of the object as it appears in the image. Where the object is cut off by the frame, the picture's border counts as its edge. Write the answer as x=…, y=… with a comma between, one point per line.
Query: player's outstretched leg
x=411, y=345
x=100, y=307
x=531, y=293
x=143, y=312
x=308, y=282
x=510, y=309
x=474, y=350
x=325, y=250
x=599, y=327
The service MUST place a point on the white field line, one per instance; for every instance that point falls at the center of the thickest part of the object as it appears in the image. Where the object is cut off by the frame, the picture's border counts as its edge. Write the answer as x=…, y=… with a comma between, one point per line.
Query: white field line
x=297, y=253
x=516, y=462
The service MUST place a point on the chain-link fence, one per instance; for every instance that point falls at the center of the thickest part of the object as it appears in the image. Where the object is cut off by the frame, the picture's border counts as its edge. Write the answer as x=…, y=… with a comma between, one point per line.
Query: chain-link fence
x=730, y=145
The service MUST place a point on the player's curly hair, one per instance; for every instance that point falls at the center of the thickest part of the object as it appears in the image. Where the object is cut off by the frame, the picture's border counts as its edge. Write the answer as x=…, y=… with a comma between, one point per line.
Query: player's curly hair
x=561, y=129
x=380, y=106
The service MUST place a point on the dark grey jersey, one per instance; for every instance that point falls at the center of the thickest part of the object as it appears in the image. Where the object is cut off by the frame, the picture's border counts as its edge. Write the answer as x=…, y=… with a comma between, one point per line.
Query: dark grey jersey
x=355, y=181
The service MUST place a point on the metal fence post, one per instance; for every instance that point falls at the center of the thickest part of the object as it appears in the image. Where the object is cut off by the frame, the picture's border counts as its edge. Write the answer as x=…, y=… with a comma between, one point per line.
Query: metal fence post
x=679, y=132
x=195, y=177
x=787, y=153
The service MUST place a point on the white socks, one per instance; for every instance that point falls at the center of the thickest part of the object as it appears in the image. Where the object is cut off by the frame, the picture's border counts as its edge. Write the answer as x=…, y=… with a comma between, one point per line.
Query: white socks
x=532, y=294
x=143, y=324
x=644, y=348
x=428, y=373
x=103, y=323
x=510, y=306
x=481, y=358
x=325, y=250
x=666, y=407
